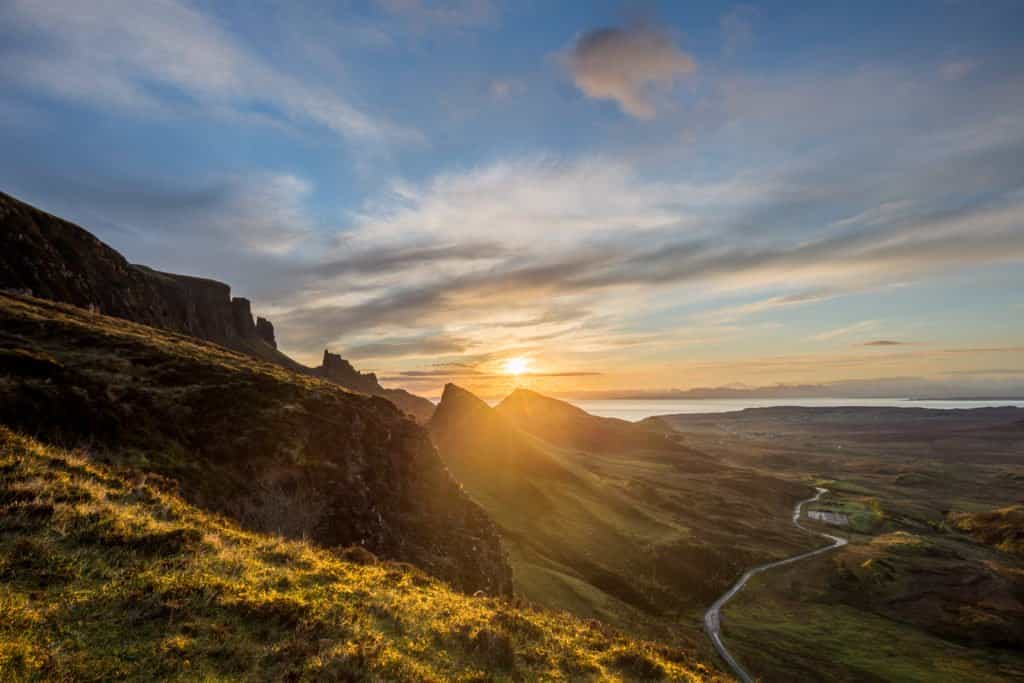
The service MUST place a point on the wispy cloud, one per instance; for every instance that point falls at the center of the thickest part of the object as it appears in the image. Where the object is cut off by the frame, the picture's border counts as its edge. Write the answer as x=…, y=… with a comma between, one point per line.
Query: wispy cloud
x=861, y=326
x=128, y=56
x=409, y=347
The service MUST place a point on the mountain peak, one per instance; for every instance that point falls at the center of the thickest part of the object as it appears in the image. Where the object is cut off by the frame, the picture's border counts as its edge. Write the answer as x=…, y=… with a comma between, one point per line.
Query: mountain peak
x=527, y=401
x=458, y=403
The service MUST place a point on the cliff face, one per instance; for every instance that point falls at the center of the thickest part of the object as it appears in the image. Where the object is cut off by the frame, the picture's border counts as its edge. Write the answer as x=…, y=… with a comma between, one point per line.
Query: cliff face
x=54, y=259
x=278, y=451
x=57, y=260
x=338, y=370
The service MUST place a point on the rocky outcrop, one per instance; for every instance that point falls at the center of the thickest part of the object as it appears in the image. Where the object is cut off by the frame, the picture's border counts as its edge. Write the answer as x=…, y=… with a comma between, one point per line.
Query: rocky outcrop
x=340, y=371
x=265, y=331
x=278, y=451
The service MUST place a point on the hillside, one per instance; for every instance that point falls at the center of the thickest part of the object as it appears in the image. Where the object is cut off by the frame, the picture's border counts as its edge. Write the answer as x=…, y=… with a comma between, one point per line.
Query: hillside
x=54, y=259
x=641, y=532
x=111, y=575
x=277, y=451
x=566, y=425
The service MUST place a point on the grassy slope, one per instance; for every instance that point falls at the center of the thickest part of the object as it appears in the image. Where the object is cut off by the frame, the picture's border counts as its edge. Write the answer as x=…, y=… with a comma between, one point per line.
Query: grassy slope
x=786, y=640
x=639, y=533
x=275, y=450
x=109, y=575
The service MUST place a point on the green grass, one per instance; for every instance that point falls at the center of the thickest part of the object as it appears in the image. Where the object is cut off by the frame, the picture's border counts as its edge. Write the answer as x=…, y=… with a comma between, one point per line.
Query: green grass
x=781, y=638
x=639, y=532
x=107, y=576
x=277, y=451
x=1002, y=528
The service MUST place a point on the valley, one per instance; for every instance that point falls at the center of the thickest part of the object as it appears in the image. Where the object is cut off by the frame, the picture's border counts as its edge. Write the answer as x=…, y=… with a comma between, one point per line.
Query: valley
x=931, y=584
x=610, y=519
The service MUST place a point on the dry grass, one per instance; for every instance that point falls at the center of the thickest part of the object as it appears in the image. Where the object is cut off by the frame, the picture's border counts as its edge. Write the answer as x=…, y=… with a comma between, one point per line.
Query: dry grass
x=105, y=576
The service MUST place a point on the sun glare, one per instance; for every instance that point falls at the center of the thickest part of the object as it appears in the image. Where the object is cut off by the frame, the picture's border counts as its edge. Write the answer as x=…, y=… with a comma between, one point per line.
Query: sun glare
x=516, y=366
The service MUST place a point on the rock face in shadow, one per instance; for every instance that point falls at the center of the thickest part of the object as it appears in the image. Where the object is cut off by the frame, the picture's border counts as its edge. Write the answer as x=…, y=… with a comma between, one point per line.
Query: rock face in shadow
x=54, y=259
x=340, y=371
x=279, y=451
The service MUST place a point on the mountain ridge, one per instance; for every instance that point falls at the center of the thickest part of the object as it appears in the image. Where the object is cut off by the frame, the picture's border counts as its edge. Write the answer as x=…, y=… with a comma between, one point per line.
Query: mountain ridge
x=52, y=258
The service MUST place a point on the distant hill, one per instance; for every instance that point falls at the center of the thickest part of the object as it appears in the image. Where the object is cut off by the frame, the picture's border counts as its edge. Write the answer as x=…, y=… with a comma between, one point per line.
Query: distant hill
x=606, y=518
x=278, y=451
x=566, y=425
x=55, y=259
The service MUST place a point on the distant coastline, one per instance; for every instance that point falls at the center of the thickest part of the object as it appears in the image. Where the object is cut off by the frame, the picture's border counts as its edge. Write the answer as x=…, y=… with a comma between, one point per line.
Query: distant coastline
x=635, y=409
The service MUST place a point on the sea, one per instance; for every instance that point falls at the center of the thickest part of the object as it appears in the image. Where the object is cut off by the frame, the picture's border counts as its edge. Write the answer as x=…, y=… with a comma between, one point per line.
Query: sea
x=638, y=409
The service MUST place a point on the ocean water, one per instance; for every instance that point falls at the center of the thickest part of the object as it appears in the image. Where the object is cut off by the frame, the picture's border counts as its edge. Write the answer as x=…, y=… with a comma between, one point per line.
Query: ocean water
x=638, y=409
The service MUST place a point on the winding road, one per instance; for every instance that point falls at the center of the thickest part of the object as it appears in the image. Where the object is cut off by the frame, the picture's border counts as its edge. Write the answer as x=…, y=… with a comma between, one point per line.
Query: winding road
x=713, y=617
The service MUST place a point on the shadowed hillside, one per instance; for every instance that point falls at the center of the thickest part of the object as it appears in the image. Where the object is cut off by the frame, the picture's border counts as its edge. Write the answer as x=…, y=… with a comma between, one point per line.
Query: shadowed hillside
x=54, y=259
x=110, y=575
x=639, y=530
x=278, y=451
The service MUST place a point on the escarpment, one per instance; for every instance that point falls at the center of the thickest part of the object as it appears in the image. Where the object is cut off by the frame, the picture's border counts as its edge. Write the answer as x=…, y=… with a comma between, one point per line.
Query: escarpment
x=55, y=259
x=51, y=258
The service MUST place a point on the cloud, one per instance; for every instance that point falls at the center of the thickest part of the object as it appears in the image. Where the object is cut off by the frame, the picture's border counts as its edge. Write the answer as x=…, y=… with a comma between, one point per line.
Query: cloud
x=732, y=313
x=398, y=257
x=127, y=56
x=575, y=237
x=506, y=88
x=846, y=330
x=955, y=70
x=627, y=65
x=987, y=371
x=885, y=342
x=524, y=201
x=259, y=211
x=409, y=347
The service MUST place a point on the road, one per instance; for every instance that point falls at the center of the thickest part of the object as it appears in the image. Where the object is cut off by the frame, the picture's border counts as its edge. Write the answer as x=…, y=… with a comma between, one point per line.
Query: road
x=713, y=617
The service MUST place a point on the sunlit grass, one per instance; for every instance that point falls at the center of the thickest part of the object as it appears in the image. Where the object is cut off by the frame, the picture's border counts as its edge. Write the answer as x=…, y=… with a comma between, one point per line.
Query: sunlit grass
x=110, y=576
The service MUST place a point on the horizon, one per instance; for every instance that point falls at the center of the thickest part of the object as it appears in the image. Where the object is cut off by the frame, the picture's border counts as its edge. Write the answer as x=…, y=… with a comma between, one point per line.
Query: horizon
x=802, y=396
x=605, y=198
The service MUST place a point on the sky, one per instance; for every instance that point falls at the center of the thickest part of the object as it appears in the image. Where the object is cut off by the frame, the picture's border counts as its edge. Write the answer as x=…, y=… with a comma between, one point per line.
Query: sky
x=622, y=196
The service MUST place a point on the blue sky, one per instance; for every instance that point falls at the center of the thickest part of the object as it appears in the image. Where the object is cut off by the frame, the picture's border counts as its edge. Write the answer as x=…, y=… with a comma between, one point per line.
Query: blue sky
x=630, y=195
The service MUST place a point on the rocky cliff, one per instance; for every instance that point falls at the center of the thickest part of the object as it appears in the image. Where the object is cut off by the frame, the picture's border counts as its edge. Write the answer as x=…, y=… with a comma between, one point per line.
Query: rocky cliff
x=279, y=451
x=340, y=371
x=55, y=259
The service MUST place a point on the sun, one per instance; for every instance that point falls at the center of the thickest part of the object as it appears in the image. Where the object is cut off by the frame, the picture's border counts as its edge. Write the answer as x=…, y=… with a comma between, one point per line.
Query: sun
x=516, y=365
